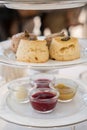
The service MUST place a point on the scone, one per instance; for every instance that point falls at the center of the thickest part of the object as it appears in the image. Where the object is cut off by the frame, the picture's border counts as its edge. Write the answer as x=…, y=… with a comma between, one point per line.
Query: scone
x=17, y=37
x=32, y=51
x=64, y=49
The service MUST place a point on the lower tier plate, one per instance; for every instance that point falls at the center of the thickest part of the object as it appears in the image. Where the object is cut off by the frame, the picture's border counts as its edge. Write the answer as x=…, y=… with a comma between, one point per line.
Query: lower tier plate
x=65, y=114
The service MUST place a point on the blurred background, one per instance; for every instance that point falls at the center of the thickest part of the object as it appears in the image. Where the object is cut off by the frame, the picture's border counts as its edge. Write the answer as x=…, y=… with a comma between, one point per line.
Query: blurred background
x=72, y=21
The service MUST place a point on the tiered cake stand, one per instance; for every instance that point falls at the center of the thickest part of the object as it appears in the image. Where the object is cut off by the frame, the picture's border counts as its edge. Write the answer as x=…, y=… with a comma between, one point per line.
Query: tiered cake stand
x=65, y=114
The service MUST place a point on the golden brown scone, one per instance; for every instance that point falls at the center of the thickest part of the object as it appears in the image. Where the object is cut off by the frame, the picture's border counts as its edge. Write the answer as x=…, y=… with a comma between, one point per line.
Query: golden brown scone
x=64, y=49
x=32, y=51
x=17, y=37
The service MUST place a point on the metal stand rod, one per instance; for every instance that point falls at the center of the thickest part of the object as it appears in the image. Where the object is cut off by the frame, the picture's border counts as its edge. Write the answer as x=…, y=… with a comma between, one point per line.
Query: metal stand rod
x=73, y=128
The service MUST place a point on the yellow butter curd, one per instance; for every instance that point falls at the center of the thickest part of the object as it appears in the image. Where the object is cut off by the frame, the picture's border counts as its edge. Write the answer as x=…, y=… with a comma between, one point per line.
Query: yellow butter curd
x=66, y=92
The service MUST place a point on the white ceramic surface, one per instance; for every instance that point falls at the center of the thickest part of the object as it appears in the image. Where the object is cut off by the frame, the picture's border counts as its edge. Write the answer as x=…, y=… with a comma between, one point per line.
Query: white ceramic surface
x=65, y=114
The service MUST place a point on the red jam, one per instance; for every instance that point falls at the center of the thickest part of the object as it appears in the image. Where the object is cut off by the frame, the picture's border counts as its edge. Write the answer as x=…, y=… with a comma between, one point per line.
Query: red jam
x=42, y=83
x=43, y=101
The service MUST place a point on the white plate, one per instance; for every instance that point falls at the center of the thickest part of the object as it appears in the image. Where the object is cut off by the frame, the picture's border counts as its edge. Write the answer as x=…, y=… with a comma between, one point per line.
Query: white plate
x=65, y=114
x=8, y=57
x=43, y=4
x=42, y=1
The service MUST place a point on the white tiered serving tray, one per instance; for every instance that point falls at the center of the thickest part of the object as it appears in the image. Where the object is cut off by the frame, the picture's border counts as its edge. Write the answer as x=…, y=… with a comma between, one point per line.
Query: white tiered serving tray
x=65, y=114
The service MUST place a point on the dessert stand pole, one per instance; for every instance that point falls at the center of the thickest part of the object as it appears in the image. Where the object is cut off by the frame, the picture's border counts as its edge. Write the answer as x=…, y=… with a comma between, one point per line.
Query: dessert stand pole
x=53, y=72
x=73, y=127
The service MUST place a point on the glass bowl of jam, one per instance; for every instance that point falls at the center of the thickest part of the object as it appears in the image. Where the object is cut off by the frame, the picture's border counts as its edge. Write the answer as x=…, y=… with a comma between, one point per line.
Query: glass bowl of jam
x=67, y=89
x=43, y=100
x=43, y=80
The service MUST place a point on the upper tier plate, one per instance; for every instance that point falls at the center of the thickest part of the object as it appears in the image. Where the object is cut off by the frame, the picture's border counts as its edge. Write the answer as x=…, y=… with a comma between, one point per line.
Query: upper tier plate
x=8, y=57
x=43, y=4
